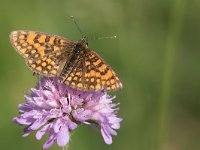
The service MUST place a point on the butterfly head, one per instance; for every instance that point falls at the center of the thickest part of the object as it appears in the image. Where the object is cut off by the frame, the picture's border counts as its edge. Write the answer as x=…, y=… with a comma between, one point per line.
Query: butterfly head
x=84, y=41
x=81, y=45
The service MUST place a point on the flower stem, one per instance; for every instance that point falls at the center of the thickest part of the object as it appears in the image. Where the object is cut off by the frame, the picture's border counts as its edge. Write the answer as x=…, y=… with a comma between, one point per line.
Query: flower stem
x=66, y=147
x=175, y=26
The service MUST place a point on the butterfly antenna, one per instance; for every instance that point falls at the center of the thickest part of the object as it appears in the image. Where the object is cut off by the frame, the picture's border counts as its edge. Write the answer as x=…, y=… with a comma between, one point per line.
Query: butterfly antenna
x=79, y=29
x=106, y=37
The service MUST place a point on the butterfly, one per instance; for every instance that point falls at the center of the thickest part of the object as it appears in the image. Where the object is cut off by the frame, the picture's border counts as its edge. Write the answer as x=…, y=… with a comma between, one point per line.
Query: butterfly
x=73, y=62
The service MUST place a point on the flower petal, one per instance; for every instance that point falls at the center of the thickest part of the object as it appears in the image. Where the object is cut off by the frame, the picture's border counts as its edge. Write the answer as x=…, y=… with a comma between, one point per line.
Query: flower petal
x=50, y=141
x=38, y=123
x=106, y=136
x=42, y=131
x=63, y=136
x=71, y=125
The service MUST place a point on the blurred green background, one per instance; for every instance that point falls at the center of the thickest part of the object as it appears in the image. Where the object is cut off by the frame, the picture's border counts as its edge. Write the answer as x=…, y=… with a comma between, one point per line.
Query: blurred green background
x=156, y=54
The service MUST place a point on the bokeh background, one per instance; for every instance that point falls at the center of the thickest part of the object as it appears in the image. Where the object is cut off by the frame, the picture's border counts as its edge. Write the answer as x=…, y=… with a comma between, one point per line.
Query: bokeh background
x=156, y=54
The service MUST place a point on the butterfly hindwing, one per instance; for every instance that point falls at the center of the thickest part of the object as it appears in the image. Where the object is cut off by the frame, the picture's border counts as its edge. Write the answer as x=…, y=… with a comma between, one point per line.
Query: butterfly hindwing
x=75, y=77
x=48, y=65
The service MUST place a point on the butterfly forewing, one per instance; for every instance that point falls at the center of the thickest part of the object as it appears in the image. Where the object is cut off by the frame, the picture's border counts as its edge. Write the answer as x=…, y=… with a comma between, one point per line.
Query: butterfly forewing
x=43, y=53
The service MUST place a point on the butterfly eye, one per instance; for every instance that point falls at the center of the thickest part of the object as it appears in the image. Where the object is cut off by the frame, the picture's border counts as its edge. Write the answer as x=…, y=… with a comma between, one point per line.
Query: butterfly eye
x=78, y=48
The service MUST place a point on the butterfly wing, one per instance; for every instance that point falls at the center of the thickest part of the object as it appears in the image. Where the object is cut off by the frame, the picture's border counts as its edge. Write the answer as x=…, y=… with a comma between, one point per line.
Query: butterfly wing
x=45, y=54
x=93, y=73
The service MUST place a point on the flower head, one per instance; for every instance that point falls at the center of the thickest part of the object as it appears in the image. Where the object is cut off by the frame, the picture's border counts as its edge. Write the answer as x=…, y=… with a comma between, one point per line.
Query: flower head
x=55, y=108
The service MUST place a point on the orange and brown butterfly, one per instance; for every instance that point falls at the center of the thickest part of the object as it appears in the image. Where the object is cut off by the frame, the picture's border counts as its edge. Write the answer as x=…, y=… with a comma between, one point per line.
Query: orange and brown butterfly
x=73, y=62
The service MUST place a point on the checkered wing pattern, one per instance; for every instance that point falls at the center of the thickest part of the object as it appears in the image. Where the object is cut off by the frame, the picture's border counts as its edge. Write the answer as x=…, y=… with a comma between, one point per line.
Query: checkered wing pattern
x=44, y=54
x=93, y=73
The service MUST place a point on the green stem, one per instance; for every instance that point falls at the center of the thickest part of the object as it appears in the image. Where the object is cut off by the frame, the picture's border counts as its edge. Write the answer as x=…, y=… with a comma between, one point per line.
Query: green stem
x=175, y=26
x=65, y=147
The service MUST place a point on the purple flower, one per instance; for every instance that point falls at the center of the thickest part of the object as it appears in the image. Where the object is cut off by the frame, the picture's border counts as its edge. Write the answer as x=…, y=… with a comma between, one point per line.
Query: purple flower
x=55, y=108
